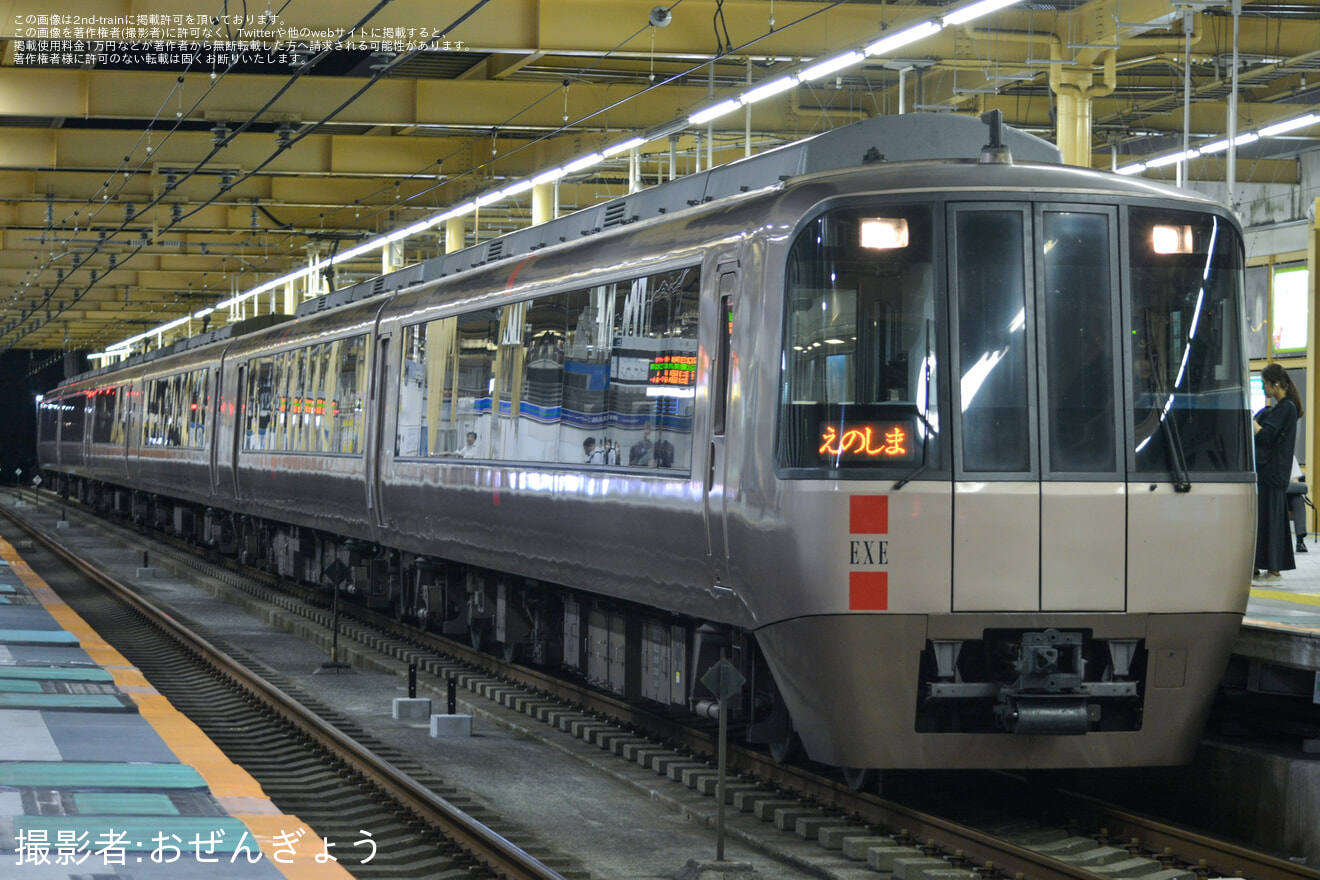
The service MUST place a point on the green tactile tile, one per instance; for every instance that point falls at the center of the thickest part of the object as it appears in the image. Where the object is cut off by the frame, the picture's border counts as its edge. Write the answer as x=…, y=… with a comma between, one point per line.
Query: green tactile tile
x=55, y=673
x=123, y=804
x=88, y=774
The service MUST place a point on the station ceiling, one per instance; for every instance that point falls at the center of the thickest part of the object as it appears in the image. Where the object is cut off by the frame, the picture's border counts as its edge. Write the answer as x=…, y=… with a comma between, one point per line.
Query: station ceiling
x=157, y=157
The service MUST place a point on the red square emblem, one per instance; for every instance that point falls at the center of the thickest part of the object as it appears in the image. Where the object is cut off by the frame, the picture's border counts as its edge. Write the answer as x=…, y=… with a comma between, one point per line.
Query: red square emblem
x=868, y=515
x=868, y=591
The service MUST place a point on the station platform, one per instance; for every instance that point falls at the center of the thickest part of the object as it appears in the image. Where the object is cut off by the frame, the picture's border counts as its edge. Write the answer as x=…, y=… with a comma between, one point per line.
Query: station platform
x=100, y=776
x=1280, y=635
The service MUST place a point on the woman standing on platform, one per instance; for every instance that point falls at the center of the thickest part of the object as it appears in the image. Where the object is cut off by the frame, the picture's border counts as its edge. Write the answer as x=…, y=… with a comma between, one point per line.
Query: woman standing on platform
x=1276, y=436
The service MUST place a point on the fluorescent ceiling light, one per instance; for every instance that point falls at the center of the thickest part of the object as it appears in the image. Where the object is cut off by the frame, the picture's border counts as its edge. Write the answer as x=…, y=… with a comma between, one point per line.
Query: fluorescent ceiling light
x=548, y=176
x=1161, y=161
x=1289, y=125
x=583, y=162
x=714, y=112
x=520, y=187
x=769, y=89
x=830, y=65
x=623, y=147
x=976, y=10
x=1216, y=147
x=1131, y=169
x=885, y=45
x=487, y=198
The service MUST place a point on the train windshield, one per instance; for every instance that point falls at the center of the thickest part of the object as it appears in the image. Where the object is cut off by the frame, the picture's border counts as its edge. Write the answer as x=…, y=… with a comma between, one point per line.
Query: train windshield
x=859, y=386
x=1189, y=396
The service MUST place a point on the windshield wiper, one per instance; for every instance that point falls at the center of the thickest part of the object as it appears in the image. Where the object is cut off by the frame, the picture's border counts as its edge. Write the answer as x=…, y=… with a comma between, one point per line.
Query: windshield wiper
x=1168, y=427
x=925, y=423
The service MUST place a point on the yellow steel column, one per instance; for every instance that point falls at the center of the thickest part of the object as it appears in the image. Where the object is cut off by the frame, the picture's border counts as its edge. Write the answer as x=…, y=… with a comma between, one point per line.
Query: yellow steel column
x=455, y=232
x=543, y=203
x=1076, y=89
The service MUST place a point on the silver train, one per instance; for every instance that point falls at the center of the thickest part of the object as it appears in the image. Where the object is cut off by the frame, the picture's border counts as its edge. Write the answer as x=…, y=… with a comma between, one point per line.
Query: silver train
x=947, y=449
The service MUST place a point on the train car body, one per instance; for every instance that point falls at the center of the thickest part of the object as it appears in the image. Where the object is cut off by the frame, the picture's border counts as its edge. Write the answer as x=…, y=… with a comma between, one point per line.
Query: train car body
x=952, y=457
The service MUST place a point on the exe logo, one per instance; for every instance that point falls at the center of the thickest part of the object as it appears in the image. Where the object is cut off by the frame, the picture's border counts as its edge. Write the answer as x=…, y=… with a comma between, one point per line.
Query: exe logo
x=868, y=515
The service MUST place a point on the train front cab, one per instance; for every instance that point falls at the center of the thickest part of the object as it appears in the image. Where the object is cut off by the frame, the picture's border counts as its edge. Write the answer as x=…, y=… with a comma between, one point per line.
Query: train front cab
x=1042, y=545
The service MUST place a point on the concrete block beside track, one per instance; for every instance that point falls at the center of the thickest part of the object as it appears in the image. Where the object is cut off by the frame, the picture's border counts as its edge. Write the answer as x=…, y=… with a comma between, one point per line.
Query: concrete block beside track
x=808, y=827
x=786, y=819
x=915, y=867
x=882, y=858
x=765, y=810
x=856, y=846
x=411, y=709
x=451, y=725
x=835, y=837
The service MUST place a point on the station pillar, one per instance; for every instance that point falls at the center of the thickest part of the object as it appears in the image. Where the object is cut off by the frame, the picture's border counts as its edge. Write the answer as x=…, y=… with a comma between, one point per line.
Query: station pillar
x=1075, y=89
x=455, y=232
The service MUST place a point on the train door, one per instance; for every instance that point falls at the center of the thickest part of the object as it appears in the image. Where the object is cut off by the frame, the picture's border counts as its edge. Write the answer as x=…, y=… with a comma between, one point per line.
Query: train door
x=716, y=465
x=1039, y=497
x=1083, y=513
x=217, y=434
x=996, y=491
x=240, y=426
x=378, y=448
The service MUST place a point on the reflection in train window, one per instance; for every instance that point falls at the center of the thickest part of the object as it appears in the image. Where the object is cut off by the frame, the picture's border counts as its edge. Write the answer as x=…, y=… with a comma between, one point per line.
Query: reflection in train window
x=257, y=403
x=1079, y=342
x=1188, y=401
x=992, y=340
x=600, y=376
x=308, y=399
x=107, y=425
x=859, y=381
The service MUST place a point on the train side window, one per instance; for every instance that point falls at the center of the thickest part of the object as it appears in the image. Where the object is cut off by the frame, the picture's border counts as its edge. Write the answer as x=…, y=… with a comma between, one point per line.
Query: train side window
x=314, y=406
x=350, y=389
x=74, y=412
x=426, y=390
x=198, y=406
x=105, y=414
x=477, y=334
x=151, y=413
x=540, y=379
x=257, y=403
x=49, y=421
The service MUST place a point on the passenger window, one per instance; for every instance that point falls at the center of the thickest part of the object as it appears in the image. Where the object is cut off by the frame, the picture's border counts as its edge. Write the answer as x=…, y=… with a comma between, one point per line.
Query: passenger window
x=603, y=376
x=350, y=387
x=106, y=415
x=259, y=432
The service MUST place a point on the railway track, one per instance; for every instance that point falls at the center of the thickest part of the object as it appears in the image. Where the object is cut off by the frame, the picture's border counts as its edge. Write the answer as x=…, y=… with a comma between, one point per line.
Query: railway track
x=311, y=760
x=798, y=814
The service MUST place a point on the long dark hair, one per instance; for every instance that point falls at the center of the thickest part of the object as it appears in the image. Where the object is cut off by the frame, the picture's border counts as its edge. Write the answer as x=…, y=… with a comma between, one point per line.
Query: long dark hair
x=1279, y=376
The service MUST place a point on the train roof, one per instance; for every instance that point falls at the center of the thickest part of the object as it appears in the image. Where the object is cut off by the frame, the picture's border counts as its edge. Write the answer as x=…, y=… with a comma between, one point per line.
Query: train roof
x=923, y=150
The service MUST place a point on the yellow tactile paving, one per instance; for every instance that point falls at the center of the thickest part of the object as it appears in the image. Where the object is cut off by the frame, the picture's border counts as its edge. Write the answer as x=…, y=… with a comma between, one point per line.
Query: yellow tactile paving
x=1286, y=596
x=285, y=840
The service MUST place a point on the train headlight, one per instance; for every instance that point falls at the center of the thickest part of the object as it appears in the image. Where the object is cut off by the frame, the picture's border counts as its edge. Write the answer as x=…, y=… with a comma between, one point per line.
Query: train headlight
x=884, y=233
x=1172, y=240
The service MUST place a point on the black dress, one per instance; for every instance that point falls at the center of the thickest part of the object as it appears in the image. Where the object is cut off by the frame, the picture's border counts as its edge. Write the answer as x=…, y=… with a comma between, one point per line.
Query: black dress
x=1274, y=454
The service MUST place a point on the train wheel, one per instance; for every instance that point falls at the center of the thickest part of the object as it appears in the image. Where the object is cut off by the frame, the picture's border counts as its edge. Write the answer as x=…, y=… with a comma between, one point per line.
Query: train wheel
x=476, y=635
x=788, y=747
x=861, y=778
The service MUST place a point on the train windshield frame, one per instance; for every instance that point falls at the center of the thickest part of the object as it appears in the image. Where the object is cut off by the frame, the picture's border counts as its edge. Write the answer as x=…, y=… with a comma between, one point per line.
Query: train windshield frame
x=859, y=385
x=1041, y=312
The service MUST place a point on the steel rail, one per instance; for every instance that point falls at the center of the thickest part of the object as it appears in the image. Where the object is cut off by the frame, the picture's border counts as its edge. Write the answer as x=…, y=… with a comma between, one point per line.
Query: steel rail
x=487, y=846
